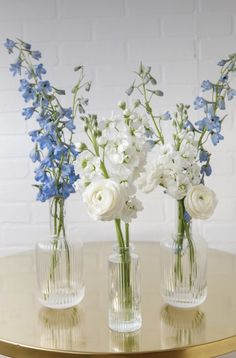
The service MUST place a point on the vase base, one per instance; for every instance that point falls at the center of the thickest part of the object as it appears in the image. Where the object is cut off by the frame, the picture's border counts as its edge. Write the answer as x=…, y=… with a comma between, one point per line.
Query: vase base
x=185, y=301
x=126, y=326
x=59, y=301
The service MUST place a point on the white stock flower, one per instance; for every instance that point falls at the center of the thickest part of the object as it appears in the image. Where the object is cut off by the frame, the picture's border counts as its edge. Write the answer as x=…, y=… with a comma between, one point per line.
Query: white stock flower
x=130, y=209
x=150, y=178
x=88, y=167
x=105, y=199
x=200, y=202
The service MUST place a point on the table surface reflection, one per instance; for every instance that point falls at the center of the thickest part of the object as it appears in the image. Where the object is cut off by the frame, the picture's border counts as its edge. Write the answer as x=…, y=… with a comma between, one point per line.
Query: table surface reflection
x=29, y=330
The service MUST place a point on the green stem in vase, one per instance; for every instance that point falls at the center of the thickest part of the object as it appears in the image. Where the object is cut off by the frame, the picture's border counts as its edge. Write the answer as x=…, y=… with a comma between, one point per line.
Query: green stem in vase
x=183, y=233
x=59, y=242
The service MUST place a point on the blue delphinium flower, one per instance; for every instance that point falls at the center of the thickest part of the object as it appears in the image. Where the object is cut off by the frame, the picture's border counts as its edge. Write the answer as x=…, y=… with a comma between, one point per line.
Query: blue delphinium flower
x=221, y=103
x=35, y=155
x=206, y=86
x=206, y=169
x=203, y=155
x=199, y=102
x=40, y=70
x=9, y=44
x=222, y=62
x=44, y=86
x=15, y=68
x=28, y=112
x=36, y=55
x=216, y=138
x=166, y=116
x=55, y=173
x=231, y=93
x=70, y=125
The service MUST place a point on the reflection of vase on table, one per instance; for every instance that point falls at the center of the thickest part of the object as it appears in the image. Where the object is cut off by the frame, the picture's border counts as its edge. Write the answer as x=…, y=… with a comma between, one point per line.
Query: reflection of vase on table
x=124, y=342
x=181, y=327
x=61, y=329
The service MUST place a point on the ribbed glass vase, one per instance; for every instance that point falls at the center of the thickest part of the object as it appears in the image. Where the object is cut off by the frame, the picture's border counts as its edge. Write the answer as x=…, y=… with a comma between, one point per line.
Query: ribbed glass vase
x=184, y=266
x=124, y=290
x=59, y=263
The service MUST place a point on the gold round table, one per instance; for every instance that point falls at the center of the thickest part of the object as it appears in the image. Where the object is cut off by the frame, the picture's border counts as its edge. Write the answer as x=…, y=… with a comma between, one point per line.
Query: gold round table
x=28, y=330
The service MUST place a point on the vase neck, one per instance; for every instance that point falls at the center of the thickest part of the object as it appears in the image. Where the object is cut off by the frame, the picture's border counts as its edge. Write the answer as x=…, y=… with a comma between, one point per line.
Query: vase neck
x=57, y=214
x=123, y=250
x=183, y=226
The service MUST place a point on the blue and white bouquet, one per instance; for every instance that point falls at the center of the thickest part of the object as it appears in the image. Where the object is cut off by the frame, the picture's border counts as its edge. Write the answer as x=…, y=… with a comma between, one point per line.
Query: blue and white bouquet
x=181, y=165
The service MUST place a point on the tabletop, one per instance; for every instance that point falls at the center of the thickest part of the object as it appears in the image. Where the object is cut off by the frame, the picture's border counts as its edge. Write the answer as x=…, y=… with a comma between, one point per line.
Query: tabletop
x=30, y=330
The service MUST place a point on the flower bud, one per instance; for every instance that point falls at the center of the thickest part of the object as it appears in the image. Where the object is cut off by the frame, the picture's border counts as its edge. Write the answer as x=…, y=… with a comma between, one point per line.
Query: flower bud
x=122, y=105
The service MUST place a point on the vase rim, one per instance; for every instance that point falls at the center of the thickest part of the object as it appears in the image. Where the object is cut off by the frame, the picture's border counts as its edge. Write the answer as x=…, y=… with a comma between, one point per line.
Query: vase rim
x=117, y=248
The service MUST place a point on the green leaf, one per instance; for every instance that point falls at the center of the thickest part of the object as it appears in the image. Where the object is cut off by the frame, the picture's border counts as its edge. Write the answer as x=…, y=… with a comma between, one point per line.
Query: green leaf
x=59, y=91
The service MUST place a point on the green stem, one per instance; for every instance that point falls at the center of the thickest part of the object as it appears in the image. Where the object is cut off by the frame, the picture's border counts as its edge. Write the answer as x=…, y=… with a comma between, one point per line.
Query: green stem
x=149, y=111
x=127, y=234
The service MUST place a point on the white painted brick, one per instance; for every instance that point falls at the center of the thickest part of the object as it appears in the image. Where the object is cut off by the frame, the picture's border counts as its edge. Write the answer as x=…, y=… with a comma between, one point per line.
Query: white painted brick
x=65, y=77
x=121, y=75
x=213, y=25
x=25, y=9
x=92, y=53
x=17, y=191
x=14, y=168
x=14, y=146
x=125, y=28
x=225, y=211
x=180, y=73
x=217, y=48
x=49, y=52
x=208, y=70
x=227, y=164
x=177, y=25
x=10, y=101
x=40, y=212
x=59, y=30
x=12, y=123
x=8, y=82
x=153, y=207
x=107, y=98
x=161, y=50
x=13, y=213
x=218, y=5
x=220, y=233
x=224, y=188
x=110, y=37
x=91, y=8
x=9, y=29
x=77, y=212
x=177, y=94
x=24, y=235
x=157, y=7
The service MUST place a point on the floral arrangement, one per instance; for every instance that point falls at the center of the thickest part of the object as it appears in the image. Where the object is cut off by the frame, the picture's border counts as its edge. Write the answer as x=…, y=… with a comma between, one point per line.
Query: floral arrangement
x=180, y=166
x=110, y=165
x=54, y=150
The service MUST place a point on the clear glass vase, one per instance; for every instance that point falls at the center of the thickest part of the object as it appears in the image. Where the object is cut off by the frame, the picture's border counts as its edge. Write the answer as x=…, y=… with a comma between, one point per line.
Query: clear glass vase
x=59, y=263
x=124, y=290
x=183, y=265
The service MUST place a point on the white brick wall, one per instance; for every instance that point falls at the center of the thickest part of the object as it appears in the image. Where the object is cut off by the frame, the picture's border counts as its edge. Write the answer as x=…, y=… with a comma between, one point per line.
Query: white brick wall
x=181, y=39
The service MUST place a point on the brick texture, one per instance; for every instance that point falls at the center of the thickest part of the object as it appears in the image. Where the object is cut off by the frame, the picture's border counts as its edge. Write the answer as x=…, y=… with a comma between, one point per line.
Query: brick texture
x=182, y=40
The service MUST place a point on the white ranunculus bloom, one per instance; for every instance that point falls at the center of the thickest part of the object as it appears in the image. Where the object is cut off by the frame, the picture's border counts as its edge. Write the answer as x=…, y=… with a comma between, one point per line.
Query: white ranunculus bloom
x=105, y=199
x=200, y=202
